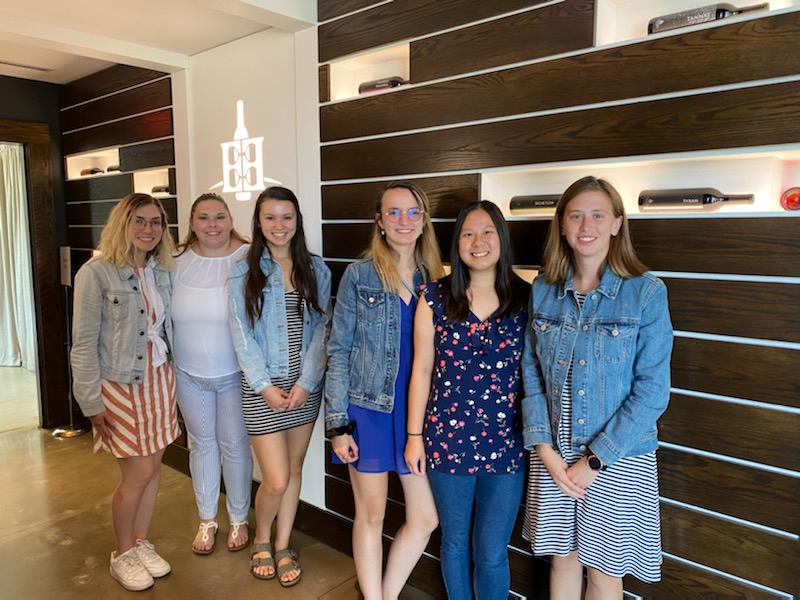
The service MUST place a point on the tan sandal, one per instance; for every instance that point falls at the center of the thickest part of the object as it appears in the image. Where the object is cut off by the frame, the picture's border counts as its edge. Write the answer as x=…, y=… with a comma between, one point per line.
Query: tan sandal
x=204, y=527
x=234, y=533
x=262, y=562
x=292, y=565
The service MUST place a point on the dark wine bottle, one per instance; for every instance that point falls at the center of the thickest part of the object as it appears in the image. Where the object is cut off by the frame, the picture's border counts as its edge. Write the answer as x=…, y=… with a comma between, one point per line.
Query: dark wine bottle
x=377, y=85
x=160, y=189
x=523, y=203
x=111, y=168
x=694, y=199
x=91, y=171
x=704, y=14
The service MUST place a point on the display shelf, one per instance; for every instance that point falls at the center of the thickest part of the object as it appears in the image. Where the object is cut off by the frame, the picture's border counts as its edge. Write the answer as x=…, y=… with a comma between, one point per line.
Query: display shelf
x=145, y=181
x=765, y=174
x=100, y=159
x=347, y=74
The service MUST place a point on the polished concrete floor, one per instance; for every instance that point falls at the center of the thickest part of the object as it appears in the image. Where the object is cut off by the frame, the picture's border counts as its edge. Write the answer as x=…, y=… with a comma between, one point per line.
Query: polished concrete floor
x=19, y=398
x=56, y=536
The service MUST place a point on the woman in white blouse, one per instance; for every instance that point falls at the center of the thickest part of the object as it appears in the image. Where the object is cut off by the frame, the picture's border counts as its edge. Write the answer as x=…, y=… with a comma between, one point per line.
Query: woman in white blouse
x=209, y=380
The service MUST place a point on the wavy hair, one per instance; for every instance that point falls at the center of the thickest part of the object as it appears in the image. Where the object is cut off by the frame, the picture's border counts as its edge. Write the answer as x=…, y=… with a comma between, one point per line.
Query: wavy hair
x=191, y=237
x=116, y=245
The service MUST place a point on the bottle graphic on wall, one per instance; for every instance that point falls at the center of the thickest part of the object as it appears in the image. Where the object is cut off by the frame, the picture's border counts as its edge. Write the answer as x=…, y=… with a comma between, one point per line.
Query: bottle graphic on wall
x=691, y=199
x=704, y=14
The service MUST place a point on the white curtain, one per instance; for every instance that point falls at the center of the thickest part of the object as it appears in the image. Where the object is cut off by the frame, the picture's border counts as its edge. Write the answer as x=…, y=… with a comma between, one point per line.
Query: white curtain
x=17, y=322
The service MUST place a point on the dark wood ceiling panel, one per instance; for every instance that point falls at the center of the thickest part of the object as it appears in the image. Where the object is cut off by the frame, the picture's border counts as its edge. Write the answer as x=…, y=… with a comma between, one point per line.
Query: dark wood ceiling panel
x=160, y=153
x=403, y=19
x=330, y=9
x=136, y=129
x=106, y=187
x=742, y=51
x=756, y=116
x=553, y=29
x=130, y=102
x=107, y=81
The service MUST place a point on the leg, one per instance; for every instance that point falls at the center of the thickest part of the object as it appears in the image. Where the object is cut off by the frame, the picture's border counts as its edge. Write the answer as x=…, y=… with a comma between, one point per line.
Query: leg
x=600, y=586
x=369, y=492
x=566, y=577
x=148, y=503
x=455, y=496
x=413, y=535
x=126, y=503
x=497, y=503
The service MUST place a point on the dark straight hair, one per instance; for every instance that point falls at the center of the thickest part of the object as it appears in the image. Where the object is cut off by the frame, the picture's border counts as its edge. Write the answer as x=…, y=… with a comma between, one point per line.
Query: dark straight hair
x=511, y=289
x=302, y=269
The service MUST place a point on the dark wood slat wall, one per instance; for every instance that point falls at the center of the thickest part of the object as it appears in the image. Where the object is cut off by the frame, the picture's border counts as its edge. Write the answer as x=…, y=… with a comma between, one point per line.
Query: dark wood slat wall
x=110, y=80
x=148, y=155
x=324, y=83
x=330, y=9
x=734, y=401
x=127, y=131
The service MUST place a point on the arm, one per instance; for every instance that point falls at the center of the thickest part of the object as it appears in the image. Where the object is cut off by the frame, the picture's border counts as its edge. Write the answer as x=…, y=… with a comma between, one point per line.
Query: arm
x=535, y=412
x=85, y=354
x=651, y=381
x=419, y=388
x=312, y=371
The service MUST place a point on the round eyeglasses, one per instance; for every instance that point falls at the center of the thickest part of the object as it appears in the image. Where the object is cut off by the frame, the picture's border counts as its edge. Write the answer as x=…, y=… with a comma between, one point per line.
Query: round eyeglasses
x=393, y=214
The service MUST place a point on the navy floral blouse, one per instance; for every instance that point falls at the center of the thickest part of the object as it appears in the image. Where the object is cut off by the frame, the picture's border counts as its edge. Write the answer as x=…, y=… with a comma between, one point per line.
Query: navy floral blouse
x=471, y=424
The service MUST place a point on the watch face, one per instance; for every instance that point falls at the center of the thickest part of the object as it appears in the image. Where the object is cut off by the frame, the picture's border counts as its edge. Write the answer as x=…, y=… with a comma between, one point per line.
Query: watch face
x=594, y=463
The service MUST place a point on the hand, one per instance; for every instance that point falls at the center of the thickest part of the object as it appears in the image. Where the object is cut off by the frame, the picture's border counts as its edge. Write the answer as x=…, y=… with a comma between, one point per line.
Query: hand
x=557, y=468
x=415, y=455
x=581, y=474
x=345, y=447
x=275, y=398
x=102, y=424
x=298, y=397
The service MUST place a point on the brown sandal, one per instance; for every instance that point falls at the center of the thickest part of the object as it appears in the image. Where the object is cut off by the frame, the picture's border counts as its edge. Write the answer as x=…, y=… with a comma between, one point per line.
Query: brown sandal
x=262, y=562
x=290, y=566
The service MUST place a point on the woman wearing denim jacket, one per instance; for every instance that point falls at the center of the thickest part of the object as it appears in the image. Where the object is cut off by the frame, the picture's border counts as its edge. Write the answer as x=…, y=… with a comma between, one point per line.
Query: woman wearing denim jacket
x=369, y=367
x=122, y=377
x=596, y=377
x=280, y=298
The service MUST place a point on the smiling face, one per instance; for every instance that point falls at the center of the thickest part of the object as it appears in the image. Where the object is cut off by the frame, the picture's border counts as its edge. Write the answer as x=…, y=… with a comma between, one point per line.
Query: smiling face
x=278, y=222
x=479, y=242
x=405, y=231
x=589, y=223
x=212, y=224
x=144, y=231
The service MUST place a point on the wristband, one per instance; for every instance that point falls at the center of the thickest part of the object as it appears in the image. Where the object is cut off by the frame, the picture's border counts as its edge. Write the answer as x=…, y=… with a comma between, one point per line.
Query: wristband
x=343, y=430
x=409, y=433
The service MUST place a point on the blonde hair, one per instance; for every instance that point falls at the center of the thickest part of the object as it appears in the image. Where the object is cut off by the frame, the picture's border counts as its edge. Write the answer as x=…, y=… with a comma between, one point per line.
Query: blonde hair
x=558, y=256
x=115, y=243
x=426, y=253
x=191, y=237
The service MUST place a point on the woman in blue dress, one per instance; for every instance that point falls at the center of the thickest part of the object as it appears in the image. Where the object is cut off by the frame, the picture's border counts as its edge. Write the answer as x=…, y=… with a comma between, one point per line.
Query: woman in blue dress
x=468, y=341
x=370, y=354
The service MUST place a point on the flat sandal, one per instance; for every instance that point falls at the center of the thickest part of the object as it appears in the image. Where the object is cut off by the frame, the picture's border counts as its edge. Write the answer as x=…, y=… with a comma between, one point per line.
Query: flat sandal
x=293, y=564
x=262, y=562
x=204, y=527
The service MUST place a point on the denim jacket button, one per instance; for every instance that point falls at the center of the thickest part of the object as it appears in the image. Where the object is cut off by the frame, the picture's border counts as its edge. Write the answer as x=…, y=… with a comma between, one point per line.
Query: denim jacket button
x=371, y=300
x=543, y=327
x=581, y=421
x=583, y=447
x=581, y=393
x=582, y=362
x=615, y=331
x=585, y=328
x=594, y=296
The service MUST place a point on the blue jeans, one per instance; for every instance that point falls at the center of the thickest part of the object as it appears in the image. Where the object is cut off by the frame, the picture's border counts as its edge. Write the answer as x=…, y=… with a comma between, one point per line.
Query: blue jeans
x=495, y=500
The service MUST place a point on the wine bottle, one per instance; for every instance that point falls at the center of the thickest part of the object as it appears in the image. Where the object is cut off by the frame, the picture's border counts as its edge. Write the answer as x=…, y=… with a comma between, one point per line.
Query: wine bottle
x=91, y=171
x=705, y=14
x=112, y=168
x=160, y=189
x=693, y=199
x=524, y=203
x=377, y=85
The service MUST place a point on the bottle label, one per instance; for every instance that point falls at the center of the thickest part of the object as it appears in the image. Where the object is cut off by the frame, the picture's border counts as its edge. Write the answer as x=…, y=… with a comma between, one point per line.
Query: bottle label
x=684, y=19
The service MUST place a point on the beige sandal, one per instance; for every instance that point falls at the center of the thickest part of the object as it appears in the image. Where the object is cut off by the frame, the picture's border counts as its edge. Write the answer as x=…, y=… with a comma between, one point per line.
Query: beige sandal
x=234, y=533
x=290, y=566
x=204, y=527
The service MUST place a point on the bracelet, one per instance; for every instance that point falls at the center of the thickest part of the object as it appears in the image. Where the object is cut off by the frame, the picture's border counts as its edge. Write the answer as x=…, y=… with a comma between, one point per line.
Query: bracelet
x=409, y=433
x=343, y=430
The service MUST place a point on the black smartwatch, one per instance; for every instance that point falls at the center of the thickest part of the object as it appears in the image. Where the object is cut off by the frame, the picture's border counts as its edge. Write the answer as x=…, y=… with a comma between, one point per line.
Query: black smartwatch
x=595, y=464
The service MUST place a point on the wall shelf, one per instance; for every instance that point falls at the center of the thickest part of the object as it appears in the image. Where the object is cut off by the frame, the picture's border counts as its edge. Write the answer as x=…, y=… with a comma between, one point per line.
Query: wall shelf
x=346, y=75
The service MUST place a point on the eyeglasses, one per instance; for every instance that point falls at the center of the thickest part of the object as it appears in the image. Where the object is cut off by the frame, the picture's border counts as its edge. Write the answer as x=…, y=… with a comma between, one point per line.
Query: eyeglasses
x=139, y=223
x=414, y=214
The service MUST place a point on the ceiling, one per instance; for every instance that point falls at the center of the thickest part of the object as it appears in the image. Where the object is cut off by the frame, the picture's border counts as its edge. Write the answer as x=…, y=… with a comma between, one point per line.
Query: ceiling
x=59, y=41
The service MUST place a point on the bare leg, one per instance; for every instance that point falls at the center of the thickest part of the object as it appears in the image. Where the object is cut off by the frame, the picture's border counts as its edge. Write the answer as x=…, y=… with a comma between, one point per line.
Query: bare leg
x=566, y=577
x=413, y=535
x=602, y=587
x=369, y=491
x=137, y=474
x=147, y=505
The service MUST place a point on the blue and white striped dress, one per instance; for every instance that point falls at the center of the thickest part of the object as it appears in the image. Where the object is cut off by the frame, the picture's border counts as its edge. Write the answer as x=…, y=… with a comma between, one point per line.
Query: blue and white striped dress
x=616, y=529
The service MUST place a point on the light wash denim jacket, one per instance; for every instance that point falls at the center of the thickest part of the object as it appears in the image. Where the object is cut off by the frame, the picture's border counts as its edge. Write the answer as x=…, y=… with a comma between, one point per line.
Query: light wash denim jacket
x=109, y=329
x=364, y=349
x=620, y=345
x=263, y=350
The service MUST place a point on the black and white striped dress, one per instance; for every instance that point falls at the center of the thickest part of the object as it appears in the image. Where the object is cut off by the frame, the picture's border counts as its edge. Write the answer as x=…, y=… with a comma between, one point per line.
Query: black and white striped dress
x=259, y=418
x=616, y=529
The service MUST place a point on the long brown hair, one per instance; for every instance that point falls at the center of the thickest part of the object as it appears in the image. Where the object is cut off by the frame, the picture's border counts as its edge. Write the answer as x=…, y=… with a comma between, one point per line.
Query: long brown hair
x=302, y=269
x=426, y=252
x=191, y=237
x=558, y=256
x=115, y=244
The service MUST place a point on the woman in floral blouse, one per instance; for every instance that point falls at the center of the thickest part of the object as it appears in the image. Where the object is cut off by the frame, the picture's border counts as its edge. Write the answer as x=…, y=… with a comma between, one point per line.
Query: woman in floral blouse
x=468, y=339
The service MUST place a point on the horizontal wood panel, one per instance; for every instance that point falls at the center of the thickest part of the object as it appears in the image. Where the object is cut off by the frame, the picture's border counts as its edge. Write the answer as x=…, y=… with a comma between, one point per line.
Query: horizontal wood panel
x=402, y=19
x=685, y=582
x=747, y=371
x=756, y=116
x=77, y=258
x=130, y=102
x=753, y=433
x=160, y=153
x=731, y=489
x=96, y=213
x=324, y=83
x=136, y=129
x=349, y=240
x=357, y=200
x=742, y=51
x=546, y=31
x=337, y=270
x=742, y=308
x=107, y=81
x=750, y=553
x=106, y=187
x=89, y=237
x=330, y=9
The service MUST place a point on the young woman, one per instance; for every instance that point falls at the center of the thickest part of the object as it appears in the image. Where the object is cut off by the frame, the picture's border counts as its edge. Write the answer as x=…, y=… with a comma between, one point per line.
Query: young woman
x=279, y=305
x=369, y=367
x=122, y=379
x=596, y=377
x=468, y=338
x=209, y=381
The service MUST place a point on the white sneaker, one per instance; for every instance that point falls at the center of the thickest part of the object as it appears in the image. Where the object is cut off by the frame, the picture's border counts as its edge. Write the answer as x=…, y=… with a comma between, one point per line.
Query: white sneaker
x=129, y=571
x=155, y=565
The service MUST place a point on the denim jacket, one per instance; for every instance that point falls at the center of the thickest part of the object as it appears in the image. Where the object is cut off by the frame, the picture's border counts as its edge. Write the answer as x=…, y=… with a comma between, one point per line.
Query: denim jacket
x=364, y=349
x=620, y=345
x=107, y=329
x=263, y=350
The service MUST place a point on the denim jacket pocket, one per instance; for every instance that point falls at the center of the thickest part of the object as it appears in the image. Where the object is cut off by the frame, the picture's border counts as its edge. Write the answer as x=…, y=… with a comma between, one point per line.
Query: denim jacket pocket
x=546, y=331
x=614, y=340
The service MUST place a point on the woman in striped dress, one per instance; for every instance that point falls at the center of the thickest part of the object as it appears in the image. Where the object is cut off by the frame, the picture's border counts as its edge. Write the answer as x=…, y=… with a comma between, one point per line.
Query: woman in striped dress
x=122, y=378
x=279, y=317
x=596, y=379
